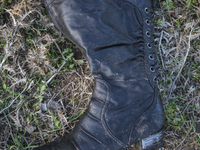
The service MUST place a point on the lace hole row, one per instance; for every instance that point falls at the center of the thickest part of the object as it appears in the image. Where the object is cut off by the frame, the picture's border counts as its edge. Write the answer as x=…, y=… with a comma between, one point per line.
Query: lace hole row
x=148, y=34
x=151, y=57
x=149, y=45
x=152, y=69
x=147, y=22
x=146, y=10
x=155, y=79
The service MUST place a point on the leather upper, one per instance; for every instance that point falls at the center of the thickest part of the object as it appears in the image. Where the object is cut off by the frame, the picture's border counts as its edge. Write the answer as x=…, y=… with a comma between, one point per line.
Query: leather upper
x=99, y=27
x=116, y=37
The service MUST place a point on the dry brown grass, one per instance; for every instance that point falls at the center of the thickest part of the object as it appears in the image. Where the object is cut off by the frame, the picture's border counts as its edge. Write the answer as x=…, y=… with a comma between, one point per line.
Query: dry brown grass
x=37, y=95
x=177, y=39
x=41, y=100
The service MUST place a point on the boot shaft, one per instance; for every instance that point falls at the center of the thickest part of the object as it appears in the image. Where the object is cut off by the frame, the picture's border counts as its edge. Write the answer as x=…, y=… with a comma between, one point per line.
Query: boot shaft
x=116, y=37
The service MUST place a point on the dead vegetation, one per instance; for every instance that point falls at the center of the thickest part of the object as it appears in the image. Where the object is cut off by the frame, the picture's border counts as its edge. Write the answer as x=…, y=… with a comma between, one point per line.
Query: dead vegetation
x=46, y=86
x=44, y=90
x=178, y=46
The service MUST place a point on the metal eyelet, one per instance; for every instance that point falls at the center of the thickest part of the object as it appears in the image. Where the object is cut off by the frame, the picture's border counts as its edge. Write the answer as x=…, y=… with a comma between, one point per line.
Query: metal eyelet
x=148, y=34
x=151, y=57
x=155, y=79
x=152, y=69
x=149, y=45
x=146, y=10
x=147, y=22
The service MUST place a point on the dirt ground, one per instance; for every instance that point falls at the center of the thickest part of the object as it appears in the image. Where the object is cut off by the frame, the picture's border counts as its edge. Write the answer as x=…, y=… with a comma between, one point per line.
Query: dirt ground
x=46, y=85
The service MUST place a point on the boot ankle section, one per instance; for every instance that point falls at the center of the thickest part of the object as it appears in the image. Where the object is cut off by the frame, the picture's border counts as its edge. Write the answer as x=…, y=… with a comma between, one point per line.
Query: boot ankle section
x=151, y=122
x=90, y=132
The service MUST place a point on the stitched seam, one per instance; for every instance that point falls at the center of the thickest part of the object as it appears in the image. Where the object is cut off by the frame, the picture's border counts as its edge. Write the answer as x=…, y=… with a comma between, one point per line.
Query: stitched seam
x=148, y=76
x=75, y=145
x=103, y=120
x=101, y=101
x=93, y=117
x=148, y=114
x=116, y=139
x=144, y=114
x=73, y=142
x=88, y=134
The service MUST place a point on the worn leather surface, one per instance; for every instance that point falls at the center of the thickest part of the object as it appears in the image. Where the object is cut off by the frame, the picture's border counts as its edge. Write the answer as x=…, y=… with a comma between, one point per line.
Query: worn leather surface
x=116, y=37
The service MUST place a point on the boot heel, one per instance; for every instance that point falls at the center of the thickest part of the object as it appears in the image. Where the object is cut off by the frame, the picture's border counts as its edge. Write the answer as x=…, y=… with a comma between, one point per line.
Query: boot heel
x=152, y=142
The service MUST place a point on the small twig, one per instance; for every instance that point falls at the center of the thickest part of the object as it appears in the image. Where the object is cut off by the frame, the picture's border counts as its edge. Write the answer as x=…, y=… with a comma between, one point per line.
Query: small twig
x=43, y=142
x=25, y=15
x=17, y=119
x=55, y=74
x=178, y=46
x=24, y=40
x=14, y=100
x=59, y=50
x=160, y=50
x=64, y=63
x=13, y=18
x=66, y=86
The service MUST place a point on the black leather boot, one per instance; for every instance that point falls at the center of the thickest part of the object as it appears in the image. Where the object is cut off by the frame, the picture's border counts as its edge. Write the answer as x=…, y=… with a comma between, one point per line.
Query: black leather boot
x=116, y=37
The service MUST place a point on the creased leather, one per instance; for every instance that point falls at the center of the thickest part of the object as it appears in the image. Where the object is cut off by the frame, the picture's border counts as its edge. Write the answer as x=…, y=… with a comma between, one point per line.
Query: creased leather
x=125, y=105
